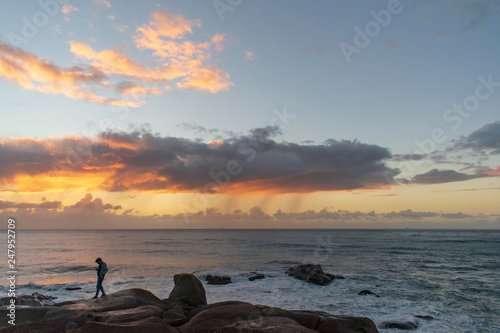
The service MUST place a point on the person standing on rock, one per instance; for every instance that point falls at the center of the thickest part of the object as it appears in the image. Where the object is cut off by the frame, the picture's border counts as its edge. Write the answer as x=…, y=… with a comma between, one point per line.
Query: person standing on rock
x=101, y=272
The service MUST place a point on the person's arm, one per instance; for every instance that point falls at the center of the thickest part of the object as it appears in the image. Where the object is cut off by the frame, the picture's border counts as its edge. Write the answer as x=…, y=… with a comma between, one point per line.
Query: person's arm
x=104, y=269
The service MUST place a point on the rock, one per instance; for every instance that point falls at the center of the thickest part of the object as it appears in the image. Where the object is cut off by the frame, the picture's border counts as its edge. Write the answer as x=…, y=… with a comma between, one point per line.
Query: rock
x=218, y=279
x=265, y=324
x=309, y=319
x=189, y=290
x=425, y=317
x=402, y=325
x=46, y=326
x=367, y=292
x=233, y=315
x=310, y=273
x=256, y=276
x=137, y=310
x=324, y=322
x=175, y=316
x=121, y=300
x=127, y=315
x=36, y=299
x=24, y=315
x=219, y=315
x=73, y=288
x=148, y=325
x=346, y=324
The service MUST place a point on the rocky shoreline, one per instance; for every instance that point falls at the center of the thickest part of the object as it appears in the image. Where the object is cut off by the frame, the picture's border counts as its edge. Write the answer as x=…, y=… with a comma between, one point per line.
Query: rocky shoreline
x=185, y=310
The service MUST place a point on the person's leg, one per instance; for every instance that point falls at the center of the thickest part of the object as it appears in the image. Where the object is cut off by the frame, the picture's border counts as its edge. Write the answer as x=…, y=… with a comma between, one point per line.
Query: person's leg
x=102, y=289
x=99, y=286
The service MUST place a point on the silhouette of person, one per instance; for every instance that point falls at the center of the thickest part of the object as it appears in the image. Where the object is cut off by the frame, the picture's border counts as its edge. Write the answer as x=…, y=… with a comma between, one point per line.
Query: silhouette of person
x=101, y=272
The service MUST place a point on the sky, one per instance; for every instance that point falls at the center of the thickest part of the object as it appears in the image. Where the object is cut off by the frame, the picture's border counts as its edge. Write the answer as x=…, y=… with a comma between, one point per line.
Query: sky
x=250, y=114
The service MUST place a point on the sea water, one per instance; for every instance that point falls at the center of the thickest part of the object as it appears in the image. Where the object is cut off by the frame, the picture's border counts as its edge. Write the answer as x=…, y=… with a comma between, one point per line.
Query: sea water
x=452, y=276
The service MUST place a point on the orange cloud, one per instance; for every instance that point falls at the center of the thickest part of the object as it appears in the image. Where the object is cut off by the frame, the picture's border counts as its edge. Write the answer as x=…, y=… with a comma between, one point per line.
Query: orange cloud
x=111, y=71
x=217, y=40
x=33, y=73
x=66, y=9
x=211, y=79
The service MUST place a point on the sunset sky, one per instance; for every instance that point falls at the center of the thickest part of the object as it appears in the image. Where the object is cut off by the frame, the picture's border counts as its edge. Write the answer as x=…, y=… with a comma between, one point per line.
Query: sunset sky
x=250, y=114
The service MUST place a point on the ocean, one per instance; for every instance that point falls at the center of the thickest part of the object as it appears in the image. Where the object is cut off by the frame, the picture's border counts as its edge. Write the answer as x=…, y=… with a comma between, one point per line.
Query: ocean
x=453, y=276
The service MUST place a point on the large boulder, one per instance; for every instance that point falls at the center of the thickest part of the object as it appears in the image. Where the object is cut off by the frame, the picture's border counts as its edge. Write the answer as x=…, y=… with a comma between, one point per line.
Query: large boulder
x=124, y=299
x=310, y=273
x=324, y=322
x=346, y=324
x=24, y=314
x=309, y=319
x=189, y=290
x=148, y=325
x=219, y=315
x=133, y=314
x=265, y=324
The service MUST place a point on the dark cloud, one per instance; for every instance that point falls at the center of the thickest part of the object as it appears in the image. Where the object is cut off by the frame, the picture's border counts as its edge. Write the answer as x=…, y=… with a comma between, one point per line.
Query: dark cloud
x=458, y=215
x=140, y=160
x=408, y=157
x=485, y=138
x=436, y=176
x=408, y=214
x=197, y=128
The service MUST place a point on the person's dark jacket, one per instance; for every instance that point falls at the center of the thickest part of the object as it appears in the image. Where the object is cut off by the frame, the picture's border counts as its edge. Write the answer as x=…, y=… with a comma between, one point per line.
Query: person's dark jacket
x=102, y=269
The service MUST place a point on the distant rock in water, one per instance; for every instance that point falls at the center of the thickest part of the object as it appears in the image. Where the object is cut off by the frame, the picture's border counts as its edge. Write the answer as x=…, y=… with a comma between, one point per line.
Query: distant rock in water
x=310, y=273
x=73, y=288
x=256, y=277
x=367, y=292
x=425, y=317
x=214, y=279
x=402, y=325
x=36, y=299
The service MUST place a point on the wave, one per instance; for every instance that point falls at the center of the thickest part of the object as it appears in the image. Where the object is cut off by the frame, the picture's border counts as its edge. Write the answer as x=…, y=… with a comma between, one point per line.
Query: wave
x=67, y=269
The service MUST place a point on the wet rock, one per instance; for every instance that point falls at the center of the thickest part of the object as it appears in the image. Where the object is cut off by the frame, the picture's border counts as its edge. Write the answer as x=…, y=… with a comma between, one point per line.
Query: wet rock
x=73, y=288
x=367, y=292
x=402, y=325
x=256, y=276
x=218, y=279
x=425, y=317
x=36, y=299
x=310, y=273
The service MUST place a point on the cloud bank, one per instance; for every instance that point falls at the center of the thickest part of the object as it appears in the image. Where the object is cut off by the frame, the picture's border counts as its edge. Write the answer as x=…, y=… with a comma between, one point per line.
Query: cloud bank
x=142, y=161
x=90, y=212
